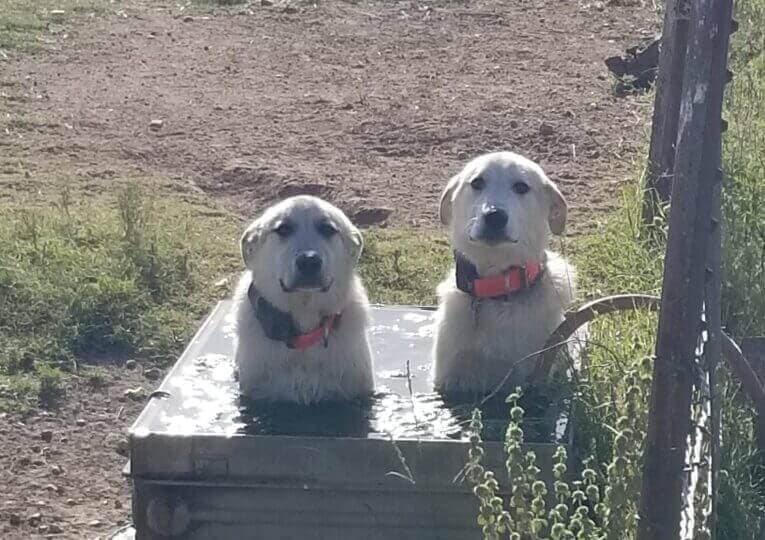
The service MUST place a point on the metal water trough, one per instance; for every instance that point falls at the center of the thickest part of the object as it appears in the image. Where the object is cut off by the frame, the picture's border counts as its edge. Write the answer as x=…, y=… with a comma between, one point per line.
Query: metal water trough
x=205, y=466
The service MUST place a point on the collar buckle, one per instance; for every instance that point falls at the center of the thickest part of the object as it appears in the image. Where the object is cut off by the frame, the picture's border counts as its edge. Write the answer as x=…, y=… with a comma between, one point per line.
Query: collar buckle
x=280, y=326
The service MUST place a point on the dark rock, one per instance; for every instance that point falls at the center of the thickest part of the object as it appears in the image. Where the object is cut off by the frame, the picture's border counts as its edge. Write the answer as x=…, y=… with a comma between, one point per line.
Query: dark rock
x=152, y=374
x=317, y=190
x=636, y=69
x=366, y=217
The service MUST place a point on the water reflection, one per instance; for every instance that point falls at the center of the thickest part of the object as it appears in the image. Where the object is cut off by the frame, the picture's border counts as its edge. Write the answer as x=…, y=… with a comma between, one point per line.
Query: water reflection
x=201, y=396
x=204, y=399
x=401, y=417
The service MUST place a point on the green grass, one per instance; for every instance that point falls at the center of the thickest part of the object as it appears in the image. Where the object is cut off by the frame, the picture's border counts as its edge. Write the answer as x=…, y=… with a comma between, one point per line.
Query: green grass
x=24, y=22
x=743, y=310
x=404, y=267
x=95, y=282
x=92, y=283
x=744, y=210
x=619, y=261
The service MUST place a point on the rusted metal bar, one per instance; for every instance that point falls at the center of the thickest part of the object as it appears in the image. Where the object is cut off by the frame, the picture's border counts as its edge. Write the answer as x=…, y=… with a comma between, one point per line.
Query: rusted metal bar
x=753, y=349
x=745, y=370
x=661, y=154
x=696, y=176
x=588, y=312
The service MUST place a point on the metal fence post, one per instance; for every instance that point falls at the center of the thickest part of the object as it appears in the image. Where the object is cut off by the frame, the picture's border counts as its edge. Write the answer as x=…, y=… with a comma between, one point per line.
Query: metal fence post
x=695, y=201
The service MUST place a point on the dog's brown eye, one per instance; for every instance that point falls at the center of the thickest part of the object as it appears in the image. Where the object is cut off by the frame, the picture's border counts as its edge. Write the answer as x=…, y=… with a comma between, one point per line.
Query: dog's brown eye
x=478, y=183
x=326, y=229
x=520, y=188
x=284, y=229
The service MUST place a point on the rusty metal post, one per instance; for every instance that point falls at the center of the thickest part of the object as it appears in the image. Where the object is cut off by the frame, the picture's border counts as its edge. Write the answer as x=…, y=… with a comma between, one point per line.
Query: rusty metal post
x=661, y=154
x=696, y=181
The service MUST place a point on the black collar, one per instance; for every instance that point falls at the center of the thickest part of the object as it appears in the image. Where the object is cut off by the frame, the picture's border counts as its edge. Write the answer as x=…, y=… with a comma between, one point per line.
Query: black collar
x=466, y=273
x=279, y=325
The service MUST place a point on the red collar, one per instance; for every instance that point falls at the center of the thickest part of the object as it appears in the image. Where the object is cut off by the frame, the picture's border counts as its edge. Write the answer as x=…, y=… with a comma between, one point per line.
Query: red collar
x=512, y=280
x=320, y=333
x=279, y=325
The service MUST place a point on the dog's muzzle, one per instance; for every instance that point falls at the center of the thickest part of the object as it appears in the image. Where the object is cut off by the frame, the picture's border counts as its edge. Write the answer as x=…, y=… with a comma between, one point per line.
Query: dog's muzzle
x=491, y=226
x=308, y=264
x=308, y=274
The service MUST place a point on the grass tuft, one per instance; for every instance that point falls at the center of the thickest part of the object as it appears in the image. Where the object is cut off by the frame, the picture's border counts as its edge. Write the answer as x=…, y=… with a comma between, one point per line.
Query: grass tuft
x=50, y=390
x=84, y=283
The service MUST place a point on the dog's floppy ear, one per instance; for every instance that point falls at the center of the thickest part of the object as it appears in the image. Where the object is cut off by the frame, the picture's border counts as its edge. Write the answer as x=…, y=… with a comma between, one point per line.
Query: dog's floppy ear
x=558, y=208
x=447, y=198
x=249, y=241
x=356, y=241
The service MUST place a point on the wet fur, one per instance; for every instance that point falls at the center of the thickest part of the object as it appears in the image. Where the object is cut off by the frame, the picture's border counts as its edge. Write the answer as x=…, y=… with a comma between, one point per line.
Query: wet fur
x=268, y=370
x=476, y=348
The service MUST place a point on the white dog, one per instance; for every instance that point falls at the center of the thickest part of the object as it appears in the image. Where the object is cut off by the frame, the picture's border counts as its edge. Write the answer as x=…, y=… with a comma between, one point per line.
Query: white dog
x=507, y=293
x=301, y=310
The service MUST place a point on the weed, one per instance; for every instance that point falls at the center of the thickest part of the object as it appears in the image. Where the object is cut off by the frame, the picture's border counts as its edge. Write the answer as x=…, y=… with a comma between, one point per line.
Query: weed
x=97, y=378
x=601, y=505
x=50, y=391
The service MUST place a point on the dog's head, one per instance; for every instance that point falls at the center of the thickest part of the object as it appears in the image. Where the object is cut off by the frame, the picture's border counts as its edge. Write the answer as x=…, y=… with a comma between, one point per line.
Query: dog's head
x=302, y=244
x=502, y=204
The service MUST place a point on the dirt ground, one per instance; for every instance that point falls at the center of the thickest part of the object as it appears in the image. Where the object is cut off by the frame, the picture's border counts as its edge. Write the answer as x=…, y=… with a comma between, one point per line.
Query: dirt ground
x=61, y=473
x=372, y=105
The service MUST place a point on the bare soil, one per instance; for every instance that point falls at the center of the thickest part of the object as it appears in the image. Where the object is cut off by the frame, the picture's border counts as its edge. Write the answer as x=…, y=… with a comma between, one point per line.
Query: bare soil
x=371, y=105
x=61, y=471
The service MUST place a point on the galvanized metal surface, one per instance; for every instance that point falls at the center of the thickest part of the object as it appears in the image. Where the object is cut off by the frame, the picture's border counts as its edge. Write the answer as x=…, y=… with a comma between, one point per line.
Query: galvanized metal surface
x=205, y=465
x=200, y=395
x=123, y=533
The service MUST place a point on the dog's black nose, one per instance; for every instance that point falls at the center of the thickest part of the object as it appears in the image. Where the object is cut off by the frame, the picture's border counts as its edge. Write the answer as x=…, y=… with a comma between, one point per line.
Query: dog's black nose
x=308, y=263
x=495, y=218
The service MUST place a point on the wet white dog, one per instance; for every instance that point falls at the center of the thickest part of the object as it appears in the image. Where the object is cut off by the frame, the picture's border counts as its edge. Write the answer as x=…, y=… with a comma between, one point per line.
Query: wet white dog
x=507, y=293
x=301, y=310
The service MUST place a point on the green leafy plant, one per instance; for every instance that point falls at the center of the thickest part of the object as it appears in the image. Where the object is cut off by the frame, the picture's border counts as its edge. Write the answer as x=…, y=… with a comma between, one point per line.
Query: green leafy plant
x=596, y=506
